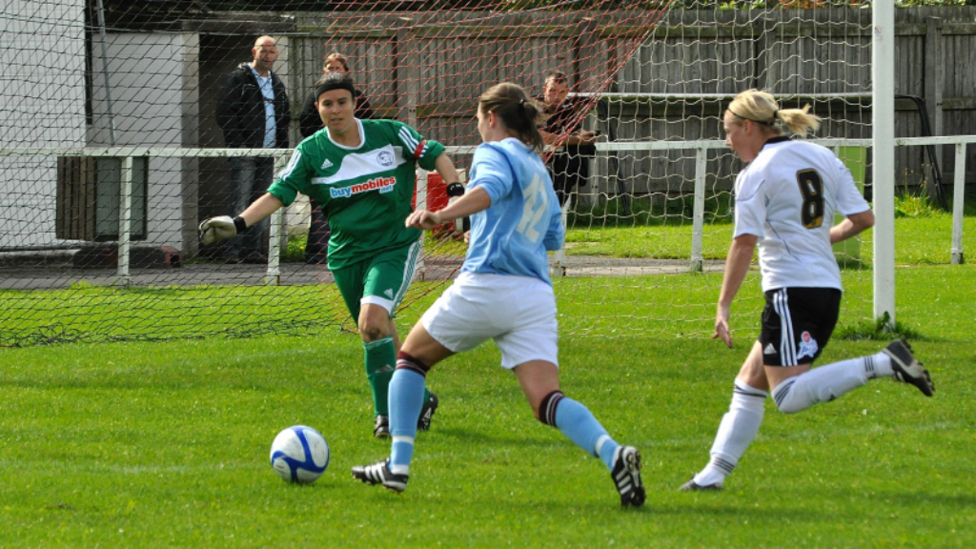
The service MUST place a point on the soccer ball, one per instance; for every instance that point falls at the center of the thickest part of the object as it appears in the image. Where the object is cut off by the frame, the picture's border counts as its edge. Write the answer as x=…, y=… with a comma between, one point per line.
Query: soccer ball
x=299, y=454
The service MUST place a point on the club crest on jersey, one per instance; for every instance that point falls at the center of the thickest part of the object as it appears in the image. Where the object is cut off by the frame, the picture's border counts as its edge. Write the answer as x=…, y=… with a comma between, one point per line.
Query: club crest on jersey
x=327, y=164
x=808, y=346
x=382, y=184
x=385, y=159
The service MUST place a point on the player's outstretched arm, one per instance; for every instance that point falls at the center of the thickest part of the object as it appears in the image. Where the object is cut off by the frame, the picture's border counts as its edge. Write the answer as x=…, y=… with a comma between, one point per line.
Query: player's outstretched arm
x=262, y=208
x=445, y=167
x=225, y=227
x=471, y=203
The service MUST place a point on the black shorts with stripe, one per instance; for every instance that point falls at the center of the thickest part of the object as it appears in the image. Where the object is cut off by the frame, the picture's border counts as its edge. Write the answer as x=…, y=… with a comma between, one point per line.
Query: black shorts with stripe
x=797, y=323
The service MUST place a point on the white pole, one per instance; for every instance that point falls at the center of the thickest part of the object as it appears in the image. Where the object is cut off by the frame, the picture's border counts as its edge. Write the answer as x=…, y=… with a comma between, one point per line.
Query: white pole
x=883, y=166
x=698, y=227
x=420, y=193
x=958, y=196
x=125, y=223
x=273, y=276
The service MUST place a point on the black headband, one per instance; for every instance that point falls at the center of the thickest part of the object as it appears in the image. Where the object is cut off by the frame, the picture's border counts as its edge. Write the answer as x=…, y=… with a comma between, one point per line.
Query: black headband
x=334, y=85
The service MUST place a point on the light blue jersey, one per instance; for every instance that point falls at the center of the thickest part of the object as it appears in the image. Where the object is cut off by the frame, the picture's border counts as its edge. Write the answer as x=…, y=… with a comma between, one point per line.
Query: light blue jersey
x=524, y=220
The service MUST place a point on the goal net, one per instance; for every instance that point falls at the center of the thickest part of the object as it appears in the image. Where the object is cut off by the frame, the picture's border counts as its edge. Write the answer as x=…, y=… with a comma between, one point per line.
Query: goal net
x=664, y=177
x=112, y=152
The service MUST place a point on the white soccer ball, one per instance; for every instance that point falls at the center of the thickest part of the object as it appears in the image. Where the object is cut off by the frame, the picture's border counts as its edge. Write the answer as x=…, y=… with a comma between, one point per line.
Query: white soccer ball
x=300, y=454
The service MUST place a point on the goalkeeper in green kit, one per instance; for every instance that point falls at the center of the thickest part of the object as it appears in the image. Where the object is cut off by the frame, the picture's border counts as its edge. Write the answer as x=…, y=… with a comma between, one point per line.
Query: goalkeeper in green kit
x=362, y=173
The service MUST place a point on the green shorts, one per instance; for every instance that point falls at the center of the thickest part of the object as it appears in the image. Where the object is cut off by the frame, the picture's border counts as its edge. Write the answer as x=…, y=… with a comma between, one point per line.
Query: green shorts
x=382, y=279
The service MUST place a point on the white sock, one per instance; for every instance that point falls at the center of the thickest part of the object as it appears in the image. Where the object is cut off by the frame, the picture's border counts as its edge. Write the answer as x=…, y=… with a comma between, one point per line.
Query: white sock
x=738, y=428
x=878, y=365
x=828, y=382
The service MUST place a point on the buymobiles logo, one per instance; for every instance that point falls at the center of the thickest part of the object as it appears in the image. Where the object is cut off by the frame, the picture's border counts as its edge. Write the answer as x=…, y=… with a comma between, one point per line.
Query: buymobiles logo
x=382, y=184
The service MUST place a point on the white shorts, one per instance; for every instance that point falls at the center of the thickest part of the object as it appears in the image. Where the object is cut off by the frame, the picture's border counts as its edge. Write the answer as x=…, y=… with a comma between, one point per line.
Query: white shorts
x=518, y=312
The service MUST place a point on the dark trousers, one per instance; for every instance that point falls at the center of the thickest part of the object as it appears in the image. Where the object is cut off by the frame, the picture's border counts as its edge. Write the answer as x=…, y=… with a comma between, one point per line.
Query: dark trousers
x=569, y=173
x=250, y=178
x=317, y=246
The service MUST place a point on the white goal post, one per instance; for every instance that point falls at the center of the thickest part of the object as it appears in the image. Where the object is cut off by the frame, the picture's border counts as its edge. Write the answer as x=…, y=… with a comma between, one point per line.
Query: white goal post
x=883, y=133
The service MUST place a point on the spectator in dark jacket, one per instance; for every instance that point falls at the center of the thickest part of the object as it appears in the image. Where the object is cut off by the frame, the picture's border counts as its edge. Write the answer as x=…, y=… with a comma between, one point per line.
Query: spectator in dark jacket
x=311, y=122
x=253, y=113
x=569, y=163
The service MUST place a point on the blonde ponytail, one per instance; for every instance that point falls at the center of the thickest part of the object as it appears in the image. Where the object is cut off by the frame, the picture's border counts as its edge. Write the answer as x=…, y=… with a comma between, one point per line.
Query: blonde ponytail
x=761, y=107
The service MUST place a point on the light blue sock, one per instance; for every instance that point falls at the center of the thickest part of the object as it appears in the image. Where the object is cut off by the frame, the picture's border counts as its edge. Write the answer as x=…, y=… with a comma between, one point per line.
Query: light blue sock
x=406, y=400
x=578, y=424
x=401, y=453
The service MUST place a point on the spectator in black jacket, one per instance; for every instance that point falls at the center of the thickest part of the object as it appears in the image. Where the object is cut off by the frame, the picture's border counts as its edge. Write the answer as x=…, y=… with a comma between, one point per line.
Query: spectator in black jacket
x=569, y=163
x=311, y=122
x=253, y=113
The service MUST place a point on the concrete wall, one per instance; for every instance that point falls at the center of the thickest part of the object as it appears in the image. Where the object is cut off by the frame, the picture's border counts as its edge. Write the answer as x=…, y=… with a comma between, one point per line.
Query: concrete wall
x=43, y=105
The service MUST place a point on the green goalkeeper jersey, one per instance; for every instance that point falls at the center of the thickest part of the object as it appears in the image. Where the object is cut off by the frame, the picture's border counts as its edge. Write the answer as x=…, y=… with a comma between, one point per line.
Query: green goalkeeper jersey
x=365, y=191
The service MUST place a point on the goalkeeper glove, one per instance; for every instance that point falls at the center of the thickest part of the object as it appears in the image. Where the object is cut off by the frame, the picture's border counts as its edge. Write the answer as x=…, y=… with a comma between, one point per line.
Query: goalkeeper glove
x=220, y=228
x=455, y=189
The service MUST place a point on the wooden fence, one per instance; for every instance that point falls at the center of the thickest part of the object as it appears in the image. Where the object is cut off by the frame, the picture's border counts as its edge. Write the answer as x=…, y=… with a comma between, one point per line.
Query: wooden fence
x=428, y=69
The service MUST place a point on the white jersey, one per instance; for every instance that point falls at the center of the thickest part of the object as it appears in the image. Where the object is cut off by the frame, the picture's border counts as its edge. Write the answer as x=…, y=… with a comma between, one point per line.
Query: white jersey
x=787, y=197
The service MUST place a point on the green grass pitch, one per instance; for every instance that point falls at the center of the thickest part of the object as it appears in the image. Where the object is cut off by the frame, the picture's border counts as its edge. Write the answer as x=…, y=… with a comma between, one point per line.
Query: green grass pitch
x=165, y=444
